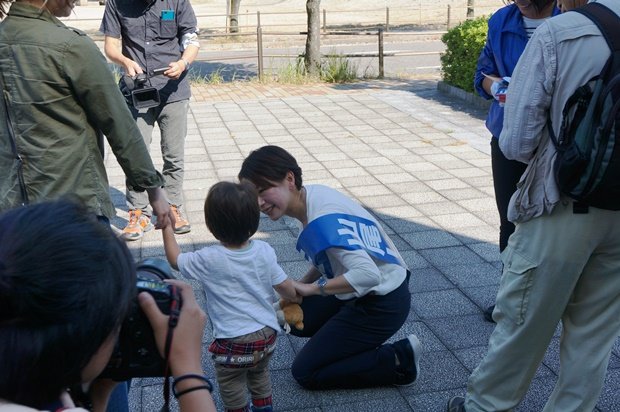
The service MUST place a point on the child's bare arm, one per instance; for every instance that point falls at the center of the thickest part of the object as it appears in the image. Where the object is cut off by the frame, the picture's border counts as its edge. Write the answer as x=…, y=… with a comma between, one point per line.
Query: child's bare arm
x=171, y=246
x=287, y=290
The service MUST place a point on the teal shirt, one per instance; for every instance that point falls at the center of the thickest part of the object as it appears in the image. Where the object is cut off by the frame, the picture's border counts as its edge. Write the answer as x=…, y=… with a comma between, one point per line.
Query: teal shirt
x=60, y=95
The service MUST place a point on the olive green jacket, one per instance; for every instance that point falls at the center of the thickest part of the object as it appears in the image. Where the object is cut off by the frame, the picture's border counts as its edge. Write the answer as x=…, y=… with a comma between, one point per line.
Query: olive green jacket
x=58, y=96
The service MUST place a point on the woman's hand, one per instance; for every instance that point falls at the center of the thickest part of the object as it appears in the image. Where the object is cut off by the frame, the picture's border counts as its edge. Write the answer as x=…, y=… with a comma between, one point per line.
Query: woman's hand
x=287, y=291
x=307, y=289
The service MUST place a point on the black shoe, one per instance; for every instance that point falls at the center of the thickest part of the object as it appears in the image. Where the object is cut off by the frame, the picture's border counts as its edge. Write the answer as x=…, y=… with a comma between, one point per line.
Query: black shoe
x=408, y=351
x=456, y=404
x=488, y=314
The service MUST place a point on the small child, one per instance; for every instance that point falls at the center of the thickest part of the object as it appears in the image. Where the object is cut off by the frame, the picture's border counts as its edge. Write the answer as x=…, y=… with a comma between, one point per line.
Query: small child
x=238, y=276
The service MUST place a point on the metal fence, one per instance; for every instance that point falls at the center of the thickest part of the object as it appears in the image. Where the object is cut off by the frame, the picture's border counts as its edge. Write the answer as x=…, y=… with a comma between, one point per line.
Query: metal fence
x=368, y=26
x=378, y=38
x=401, y=18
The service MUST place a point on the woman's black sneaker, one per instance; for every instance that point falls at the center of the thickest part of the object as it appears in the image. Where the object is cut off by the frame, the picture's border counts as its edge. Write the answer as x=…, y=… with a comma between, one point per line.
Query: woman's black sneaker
x=408, y=351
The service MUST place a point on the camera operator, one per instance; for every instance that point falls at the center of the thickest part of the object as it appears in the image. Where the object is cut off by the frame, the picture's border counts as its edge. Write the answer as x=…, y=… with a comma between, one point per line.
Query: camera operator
x=142, y=36
x=66, y=285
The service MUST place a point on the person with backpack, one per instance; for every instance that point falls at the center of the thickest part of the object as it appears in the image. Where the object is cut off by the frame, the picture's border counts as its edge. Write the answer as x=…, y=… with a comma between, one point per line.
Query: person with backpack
x=562, y=263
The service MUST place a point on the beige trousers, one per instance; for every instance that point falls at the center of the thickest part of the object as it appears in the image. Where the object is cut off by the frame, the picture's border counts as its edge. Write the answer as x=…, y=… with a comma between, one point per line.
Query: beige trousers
x=234, y=382
x=558, y=267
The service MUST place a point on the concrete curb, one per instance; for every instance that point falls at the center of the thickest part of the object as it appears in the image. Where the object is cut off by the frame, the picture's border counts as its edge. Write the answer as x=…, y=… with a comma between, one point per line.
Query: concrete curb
x=472, y=99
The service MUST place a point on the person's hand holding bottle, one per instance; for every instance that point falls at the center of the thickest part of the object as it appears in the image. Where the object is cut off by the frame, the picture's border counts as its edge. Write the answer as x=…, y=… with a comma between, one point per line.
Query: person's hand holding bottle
x=499, y=89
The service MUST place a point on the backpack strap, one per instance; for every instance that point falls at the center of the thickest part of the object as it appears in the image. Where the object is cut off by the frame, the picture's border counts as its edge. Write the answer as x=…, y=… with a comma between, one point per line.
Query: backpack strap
x=606, y=20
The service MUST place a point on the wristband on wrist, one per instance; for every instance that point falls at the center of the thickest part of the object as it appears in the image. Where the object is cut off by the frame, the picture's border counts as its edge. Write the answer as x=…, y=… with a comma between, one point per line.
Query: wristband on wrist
x=195, y=388
x=186, y=64
x=207, y=384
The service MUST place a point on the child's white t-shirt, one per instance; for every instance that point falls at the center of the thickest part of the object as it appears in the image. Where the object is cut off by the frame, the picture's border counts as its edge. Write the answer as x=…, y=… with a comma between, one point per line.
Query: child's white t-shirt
x=238, y=285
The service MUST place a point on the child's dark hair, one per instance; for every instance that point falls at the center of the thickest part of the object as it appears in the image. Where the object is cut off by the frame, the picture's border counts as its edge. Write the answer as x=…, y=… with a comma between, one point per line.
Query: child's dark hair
x=269, y=165
x=66, y=282
x=232, y=212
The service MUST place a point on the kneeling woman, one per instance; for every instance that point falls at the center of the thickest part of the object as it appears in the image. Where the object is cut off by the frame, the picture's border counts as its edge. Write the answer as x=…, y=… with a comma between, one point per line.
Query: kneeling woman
x=356, y=293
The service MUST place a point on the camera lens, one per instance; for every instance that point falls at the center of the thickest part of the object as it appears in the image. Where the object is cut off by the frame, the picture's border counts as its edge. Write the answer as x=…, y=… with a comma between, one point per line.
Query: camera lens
x=154, y=269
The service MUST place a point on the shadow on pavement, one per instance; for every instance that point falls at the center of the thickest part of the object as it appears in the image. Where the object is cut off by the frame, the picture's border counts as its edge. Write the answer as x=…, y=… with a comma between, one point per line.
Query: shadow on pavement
x=454, y=276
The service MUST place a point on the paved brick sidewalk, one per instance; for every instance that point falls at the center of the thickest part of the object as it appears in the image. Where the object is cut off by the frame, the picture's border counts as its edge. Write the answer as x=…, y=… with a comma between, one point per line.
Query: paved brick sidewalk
x=419, y=161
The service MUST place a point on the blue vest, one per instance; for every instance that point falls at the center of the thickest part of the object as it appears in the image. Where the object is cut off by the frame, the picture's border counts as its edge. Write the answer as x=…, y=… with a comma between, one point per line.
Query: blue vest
x=343, y=231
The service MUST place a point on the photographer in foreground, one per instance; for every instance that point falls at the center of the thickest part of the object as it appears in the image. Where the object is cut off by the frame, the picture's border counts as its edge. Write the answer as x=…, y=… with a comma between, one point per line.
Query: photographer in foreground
x=66, y=285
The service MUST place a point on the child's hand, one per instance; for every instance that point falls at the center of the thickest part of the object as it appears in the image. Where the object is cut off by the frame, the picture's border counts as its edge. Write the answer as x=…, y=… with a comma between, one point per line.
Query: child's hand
x=171, y=247
x=297, y=298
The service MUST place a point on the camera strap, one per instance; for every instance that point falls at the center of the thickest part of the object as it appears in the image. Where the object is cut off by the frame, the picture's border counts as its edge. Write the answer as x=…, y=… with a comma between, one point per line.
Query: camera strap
x=173, y=320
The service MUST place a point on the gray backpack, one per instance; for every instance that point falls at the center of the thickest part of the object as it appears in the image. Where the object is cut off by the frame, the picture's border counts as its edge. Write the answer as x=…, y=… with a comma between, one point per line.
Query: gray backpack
x=587, y=167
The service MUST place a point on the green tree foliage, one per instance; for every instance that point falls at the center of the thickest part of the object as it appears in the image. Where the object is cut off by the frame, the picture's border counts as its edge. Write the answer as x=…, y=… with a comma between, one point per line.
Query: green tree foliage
x=463, y=45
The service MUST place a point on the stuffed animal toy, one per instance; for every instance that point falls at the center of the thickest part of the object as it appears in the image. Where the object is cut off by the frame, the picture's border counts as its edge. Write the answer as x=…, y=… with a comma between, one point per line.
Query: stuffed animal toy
x=289, y=313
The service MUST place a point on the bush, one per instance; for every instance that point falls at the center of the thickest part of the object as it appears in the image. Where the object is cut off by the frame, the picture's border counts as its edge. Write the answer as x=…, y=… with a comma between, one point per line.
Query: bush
x=463, y=45
x=338, y=69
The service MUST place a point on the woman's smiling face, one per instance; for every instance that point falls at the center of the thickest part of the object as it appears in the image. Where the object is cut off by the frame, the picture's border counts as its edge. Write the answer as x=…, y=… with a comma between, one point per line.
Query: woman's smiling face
x=274, y=201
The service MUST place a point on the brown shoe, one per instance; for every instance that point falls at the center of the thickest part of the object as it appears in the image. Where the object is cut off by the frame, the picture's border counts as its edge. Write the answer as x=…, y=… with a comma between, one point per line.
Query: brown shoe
x=181, y=224
x=137, y=225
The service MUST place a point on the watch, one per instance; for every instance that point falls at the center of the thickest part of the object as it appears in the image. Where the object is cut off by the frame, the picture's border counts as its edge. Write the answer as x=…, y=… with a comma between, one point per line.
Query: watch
x=321, y=284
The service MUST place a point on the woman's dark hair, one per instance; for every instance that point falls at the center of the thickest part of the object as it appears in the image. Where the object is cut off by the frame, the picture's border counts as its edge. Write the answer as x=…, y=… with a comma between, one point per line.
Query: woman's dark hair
x=66, y=282
x=232, y=212
x=267, y=166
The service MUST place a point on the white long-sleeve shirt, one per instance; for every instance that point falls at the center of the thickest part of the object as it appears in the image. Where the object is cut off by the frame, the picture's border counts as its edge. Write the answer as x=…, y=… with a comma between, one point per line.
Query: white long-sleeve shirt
x=363, y=272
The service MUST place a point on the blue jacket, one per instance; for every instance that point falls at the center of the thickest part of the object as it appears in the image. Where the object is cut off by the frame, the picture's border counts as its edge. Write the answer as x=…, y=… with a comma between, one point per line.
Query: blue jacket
x=506, y=40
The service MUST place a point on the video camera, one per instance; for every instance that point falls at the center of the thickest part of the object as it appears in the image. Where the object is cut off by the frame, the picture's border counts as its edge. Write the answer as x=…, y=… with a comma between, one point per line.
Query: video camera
x=135, y=354
x=137, y=89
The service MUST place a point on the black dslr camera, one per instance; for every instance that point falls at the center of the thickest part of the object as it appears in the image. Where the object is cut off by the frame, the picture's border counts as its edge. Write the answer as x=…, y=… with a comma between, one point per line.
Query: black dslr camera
x=138, y=90
x=135, y=354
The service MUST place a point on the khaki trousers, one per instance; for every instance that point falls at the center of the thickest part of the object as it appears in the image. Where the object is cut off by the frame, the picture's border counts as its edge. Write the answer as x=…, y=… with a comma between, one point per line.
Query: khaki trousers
x=558, y=267
x=234, y=382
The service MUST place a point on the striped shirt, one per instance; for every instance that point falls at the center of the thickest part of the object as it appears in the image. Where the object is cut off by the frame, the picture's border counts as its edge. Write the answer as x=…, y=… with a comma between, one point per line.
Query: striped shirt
x=530, y=25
